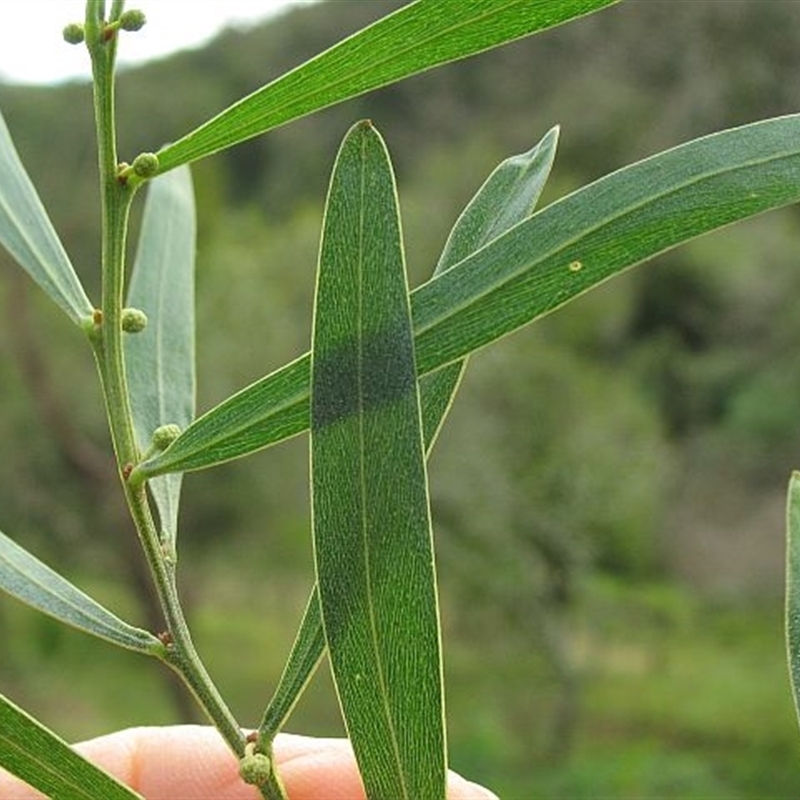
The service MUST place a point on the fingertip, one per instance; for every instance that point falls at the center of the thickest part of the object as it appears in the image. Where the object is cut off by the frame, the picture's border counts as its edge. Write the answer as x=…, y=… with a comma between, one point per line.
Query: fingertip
x=311, y=768
x=459, y=788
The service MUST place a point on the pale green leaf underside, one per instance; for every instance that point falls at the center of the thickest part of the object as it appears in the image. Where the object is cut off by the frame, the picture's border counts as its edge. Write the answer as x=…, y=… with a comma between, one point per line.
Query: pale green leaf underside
x=372, y=538
x=417, y=37
x=28, y=235
x=507, y=197
x=23, y=576
x=538, y=265
x=36, y=755
x=793, y=588
x=160, y=360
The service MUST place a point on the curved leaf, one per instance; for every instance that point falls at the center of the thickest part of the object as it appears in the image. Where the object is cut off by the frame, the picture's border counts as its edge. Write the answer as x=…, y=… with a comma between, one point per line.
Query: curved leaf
x=160, y=359
x=538, y=265
x=793, y=588
x=417, y=37
x=27, y=233
x=372, y=537
x=36, y=755
x=23, y=576
x=604, y=228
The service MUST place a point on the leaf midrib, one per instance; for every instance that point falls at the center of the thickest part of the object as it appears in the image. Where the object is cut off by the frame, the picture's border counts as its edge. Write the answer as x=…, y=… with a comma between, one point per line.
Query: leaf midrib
x=365, y=527
x=70, y=596
x=456, y=308
x=301, y=97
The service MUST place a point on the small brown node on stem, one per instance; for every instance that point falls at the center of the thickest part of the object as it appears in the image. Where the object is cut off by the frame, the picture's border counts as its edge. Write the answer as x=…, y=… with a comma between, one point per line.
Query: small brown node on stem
x=122, y=173
x=252, y=737
x=97, y=317
x=126, y=471
x=165, y=637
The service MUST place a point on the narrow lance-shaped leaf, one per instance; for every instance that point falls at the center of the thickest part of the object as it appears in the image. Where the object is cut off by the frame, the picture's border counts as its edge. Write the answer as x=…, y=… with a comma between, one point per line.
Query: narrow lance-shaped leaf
x=372, y=537
x=23, y=576
x=417, y=37
x=37, y=756
x=507, y=196
x=306, y=653
x=540, y=264
x=27, y=233
x=793, y=588
x=160, y=359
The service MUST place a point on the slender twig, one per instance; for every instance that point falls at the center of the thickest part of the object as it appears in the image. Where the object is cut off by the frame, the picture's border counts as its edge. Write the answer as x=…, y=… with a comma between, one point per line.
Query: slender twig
x=107, y=341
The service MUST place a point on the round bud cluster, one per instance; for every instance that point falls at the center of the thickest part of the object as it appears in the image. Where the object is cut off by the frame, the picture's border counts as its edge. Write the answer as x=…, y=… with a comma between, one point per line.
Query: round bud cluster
x=132, y=20
x=145, y=165
x=73, y=33
x=255, y=768
x=164, y=436
x=134, y=320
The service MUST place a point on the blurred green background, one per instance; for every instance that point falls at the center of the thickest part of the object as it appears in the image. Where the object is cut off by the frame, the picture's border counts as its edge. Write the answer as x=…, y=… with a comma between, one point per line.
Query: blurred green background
x=608, y=491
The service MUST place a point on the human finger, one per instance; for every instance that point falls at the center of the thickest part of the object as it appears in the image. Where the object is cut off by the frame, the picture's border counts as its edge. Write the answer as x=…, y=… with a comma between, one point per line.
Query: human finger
x=193, y=760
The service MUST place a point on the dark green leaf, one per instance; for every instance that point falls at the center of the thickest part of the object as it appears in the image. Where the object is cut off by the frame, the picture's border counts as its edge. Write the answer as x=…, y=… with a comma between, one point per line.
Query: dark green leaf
x=25, y=577
x=793, y=588
x=419, y=36
x=508, y=196
x=36, y=755
x=160, y=359
x=27, y=233
x=538, y=265
x=372, y=536
x=600, y=230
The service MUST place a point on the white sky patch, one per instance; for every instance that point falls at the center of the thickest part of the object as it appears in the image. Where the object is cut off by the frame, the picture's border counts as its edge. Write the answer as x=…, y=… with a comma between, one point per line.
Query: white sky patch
x=32, y=49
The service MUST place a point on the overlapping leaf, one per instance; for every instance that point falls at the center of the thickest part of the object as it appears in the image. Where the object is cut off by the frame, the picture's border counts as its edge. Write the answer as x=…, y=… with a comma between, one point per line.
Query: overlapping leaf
x=160, y=359
x=508, y=196
x=35, y=754
x=27, y=233
x=537, y=266
x=23, y=576
x=419, y=36
x=372, y=537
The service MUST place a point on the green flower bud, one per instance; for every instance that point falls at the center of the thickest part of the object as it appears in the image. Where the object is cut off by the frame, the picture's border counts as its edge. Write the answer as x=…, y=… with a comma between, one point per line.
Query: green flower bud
x=73, y=33
x=255, y=768
x=164, y=436
x=132, y=20
x=145, y=165
x=134, y=320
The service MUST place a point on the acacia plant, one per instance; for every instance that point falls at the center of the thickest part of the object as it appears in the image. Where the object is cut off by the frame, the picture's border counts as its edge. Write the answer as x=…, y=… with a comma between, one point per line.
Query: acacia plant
x=374, y=390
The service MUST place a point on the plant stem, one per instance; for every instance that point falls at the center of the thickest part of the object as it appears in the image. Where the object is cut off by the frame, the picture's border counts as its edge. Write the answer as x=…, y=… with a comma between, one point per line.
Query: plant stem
x=107, y=341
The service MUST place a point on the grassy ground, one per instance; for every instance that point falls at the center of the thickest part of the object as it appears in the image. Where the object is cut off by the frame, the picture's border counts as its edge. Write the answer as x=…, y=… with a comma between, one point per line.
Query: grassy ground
x=673, y=697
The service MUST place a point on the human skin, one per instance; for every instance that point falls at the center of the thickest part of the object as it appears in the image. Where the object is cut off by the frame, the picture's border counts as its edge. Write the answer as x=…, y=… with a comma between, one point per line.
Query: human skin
x=191, y=762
